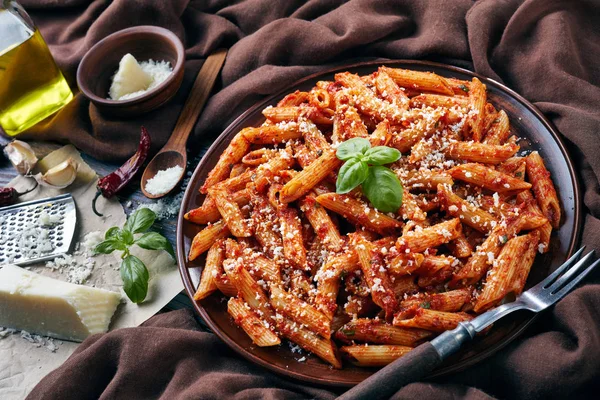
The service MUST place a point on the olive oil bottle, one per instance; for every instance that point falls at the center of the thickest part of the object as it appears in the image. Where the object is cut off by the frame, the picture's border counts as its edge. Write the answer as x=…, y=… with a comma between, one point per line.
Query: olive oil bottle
x=31, y=85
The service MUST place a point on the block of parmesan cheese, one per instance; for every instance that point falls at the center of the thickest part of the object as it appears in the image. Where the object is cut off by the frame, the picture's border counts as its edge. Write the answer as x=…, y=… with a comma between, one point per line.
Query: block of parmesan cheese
x=49, y=307
x=130, y=78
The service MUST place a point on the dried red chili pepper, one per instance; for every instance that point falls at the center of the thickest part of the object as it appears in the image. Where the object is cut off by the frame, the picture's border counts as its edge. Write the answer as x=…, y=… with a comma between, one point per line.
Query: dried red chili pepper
x=9, y=195
x=112, y=183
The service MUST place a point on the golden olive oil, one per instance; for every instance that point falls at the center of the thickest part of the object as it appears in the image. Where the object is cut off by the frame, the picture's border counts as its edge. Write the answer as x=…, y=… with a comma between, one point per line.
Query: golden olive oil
x=31, y=85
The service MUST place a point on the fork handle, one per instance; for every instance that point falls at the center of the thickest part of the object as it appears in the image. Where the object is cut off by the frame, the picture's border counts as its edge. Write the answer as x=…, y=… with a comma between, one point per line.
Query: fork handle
x=412, y=367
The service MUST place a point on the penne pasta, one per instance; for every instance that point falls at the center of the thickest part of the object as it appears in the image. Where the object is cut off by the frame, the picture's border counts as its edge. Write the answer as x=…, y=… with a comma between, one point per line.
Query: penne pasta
x=314, y=139
x=467, y=213
x=451, y=301
x=206, y=238
x=368, y=330
x=212, y=267
x=423, y=81
x=365, y=100
x=477, y=102
x=262, y=267
x=309, y=177
x=381, y=135
x=526, y=261
x=231, y=213
x=373, y=356
x=359, y=213
x=437, y=321
x=544, y=190
x=299, y=311
x=488, y=178
x=421, y=180
x=405, y=264
x=499, y=131
x=292, y=113
x=321, y=347
x=436, y=100
x=233, y=153
x=209, y=212
x=376, y=275
x=505, y=270
x=225, y=286
x=294, y=99
x=271, y=134
x=328, y=284
x=481, y=152
x=254, y=327
x=390, y=91
x=420, y=240
x=250, y=291
x=321, y=222
x=347, y=124
x=293, y=246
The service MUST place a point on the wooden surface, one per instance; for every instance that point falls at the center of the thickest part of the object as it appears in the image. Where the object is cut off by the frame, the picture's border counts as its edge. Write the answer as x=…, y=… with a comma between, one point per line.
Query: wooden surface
x=131, y=193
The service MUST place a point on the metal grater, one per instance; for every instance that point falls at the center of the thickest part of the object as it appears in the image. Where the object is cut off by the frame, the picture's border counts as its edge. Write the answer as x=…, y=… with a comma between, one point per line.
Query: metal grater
x=22, y=219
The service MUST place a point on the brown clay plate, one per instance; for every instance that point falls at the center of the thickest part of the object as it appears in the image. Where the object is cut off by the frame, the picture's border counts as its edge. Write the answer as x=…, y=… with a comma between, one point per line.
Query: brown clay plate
x=526, y=121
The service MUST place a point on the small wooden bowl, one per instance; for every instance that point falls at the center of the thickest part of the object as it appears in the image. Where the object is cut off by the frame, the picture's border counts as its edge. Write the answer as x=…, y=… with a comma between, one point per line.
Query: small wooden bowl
x=95, y=72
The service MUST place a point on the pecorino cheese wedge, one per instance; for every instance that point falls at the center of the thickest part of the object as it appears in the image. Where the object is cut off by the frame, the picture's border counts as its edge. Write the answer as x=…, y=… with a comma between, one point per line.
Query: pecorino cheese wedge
x=50, y=307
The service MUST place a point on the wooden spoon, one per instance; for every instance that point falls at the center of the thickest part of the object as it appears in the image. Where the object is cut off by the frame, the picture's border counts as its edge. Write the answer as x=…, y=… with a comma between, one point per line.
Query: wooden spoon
x=174, y=153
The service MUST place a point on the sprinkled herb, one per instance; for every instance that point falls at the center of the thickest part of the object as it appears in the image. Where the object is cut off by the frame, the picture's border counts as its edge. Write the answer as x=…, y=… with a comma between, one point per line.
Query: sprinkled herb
x=503, y=239
x=348, y=332
x=425, y=304
x=464, y=88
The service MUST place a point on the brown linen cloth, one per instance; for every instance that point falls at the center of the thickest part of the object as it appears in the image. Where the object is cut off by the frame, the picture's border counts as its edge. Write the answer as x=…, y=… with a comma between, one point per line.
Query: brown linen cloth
x=547, y=50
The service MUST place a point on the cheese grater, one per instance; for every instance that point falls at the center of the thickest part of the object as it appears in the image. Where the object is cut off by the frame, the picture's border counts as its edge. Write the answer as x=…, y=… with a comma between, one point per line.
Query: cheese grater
x=24, y=239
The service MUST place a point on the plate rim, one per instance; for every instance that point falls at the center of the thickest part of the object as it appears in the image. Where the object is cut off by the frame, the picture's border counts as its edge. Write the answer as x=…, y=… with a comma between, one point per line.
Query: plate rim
x=517, y=331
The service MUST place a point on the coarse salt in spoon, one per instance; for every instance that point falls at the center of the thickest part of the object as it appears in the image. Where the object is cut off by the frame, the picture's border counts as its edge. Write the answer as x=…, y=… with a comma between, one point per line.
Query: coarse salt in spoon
x=167, y=168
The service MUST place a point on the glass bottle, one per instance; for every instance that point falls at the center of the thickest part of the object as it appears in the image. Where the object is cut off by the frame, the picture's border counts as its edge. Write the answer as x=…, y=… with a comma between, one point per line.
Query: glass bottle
x=31, y=85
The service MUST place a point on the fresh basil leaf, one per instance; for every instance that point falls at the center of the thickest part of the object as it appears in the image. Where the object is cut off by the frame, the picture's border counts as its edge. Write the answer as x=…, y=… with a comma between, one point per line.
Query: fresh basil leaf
x=155, y=241
x=108, y=246
x=140, y=221
x=381, y=155
x=135, y=278
x=352, y=174
x=383, y=189
x=352, y=148
x=112, y=232
x=125, y=236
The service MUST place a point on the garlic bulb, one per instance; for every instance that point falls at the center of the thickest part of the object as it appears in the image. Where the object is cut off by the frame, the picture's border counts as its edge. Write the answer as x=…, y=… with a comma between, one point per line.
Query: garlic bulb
x=59, y=176
x=21, y=155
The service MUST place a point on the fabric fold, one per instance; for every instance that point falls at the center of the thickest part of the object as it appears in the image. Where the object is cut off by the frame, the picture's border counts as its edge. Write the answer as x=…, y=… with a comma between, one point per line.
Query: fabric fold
x=546, y=50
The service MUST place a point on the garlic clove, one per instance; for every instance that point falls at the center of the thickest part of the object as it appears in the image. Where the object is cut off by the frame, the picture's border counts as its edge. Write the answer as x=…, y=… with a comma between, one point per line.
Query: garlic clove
x=21, y=156
x=59, y=176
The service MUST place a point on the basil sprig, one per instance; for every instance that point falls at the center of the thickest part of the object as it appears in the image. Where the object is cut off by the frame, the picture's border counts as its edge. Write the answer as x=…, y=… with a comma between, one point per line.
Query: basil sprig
x=364, y=165
x=134, y=273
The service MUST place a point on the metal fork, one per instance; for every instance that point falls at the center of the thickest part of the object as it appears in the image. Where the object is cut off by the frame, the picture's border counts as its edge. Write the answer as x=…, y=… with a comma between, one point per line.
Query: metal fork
x=426, y=357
